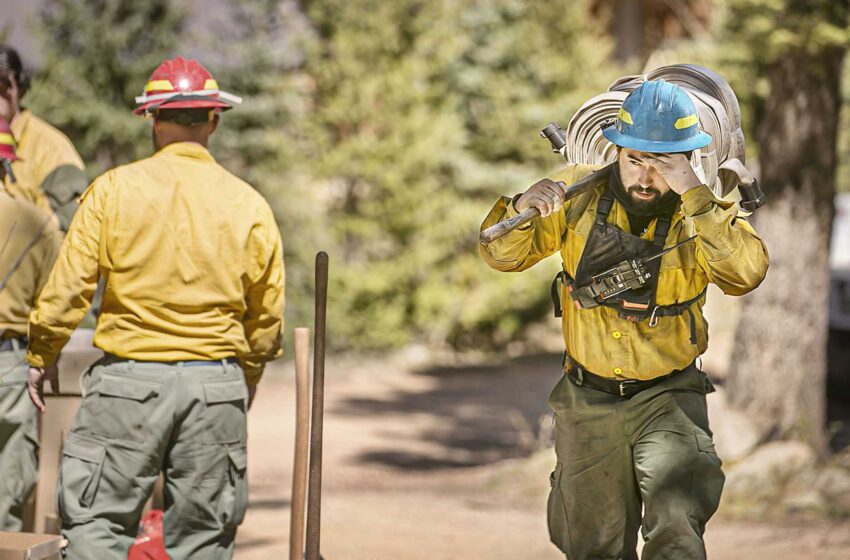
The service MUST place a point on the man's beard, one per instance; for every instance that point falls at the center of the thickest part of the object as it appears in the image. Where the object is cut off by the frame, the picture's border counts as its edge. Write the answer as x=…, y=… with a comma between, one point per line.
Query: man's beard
x=655, y=206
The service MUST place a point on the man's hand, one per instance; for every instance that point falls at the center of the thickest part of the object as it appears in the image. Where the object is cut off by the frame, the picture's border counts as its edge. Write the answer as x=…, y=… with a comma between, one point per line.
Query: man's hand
x=545, y=195
x=252, y=392
x=676, y=170
x=35, y=384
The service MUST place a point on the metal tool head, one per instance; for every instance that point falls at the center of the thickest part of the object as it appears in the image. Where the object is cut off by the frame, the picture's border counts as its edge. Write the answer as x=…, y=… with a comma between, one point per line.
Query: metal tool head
x=556, y=136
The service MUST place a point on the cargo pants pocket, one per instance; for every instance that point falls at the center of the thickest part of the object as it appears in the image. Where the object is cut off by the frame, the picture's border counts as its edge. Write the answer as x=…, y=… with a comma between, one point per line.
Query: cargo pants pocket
x=557, y=512
x=118, y=406
x=706, y=446
x=234, y=495
x=224, y=412
x=79, y=478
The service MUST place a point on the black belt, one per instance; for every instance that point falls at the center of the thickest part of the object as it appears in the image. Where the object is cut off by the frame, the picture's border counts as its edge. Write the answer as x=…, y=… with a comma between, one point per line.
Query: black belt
x=625, y=388
x=6, y=345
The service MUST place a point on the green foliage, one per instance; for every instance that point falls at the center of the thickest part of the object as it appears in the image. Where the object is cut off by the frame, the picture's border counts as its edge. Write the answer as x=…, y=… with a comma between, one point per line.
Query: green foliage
x=98, y=55
x=752, y=34
x=256, y=52
x=772, y=28
x=425, y=112
x=379, y=131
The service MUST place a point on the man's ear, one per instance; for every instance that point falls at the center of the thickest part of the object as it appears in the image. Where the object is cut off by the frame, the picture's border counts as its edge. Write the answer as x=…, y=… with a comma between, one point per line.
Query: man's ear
x=214, y=123
x=14, y=90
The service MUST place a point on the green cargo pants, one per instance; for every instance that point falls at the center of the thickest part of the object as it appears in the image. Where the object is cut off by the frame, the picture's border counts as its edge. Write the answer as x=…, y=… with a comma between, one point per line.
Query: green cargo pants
x=18, y=439
x=137, y=419
x=616, y=455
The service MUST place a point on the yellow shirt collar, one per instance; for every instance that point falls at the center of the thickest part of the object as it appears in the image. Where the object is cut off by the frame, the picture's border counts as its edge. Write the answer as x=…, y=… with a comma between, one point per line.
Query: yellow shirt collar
x=187, y=149
x=19, y=124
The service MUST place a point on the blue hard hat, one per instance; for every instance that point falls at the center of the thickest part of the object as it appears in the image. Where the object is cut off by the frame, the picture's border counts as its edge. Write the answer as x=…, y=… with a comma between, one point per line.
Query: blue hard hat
x=658, y=117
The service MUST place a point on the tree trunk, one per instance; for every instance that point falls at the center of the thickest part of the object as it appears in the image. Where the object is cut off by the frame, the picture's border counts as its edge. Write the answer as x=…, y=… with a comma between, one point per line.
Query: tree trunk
x=778, y=371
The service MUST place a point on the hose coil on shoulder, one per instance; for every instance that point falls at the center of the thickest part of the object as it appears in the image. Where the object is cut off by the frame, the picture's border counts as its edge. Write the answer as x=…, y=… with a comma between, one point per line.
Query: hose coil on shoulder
x=719, y=115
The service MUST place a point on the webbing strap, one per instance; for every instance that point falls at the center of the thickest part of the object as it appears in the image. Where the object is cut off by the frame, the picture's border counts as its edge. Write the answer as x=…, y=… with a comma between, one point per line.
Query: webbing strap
x=555, y=292
x=678, y=309
x=603, y=207
x=662, y=226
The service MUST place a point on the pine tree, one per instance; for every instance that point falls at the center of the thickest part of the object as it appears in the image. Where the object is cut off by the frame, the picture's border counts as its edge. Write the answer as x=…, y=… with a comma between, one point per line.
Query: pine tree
x=424, y=112
x=98, y=55
x=779, y=366
x=258, y=52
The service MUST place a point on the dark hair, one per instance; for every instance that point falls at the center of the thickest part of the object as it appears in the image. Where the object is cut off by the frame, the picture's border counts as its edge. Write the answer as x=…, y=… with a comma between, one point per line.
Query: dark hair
x=688, y=154
x=10, y=65
x=185, y=117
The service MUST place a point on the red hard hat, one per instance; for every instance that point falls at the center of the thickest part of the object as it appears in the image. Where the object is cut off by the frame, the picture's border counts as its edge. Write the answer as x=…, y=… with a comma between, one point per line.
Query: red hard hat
x=7, y=142
x=182, y=83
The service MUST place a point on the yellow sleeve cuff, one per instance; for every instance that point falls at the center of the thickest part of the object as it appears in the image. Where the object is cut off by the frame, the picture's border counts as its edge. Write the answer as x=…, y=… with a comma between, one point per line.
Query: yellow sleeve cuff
x=37, y=360
x=698, y=201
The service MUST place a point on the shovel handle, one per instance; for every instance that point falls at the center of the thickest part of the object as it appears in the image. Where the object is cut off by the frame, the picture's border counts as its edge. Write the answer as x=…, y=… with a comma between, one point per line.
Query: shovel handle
x=302, y=435
x=494, y=232
x=314, y=481
x=581, y=186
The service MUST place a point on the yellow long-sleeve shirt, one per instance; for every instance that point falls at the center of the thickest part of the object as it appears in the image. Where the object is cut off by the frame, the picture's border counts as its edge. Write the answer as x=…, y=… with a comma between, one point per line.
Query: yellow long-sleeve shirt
x=192, y=261
x=727, y=252
x=29, y=242
x=49, y=171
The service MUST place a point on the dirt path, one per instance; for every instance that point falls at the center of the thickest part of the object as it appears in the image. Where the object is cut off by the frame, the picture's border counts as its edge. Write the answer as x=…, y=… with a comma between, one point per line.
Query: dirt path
x=424, y=465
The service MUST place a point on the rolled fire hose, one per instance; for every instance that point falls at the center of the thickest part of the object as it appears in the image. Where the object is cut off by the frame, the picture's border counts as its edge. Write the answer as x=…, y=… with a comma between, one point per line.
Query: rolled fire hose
x=717, y=107
x=719, y=115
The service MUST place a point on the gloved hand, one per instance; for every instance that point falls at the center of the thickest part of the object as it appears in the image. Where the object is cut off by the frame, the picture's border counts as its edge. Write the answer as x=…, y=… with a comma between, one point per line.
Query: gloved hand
x=676, y=170
x=545, y=195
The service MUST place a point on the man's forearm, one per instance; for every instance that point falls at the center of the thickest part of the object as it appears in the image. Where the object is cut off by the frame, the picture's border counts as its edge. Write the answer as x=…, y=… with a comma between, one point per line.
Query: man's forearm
x=730, y=251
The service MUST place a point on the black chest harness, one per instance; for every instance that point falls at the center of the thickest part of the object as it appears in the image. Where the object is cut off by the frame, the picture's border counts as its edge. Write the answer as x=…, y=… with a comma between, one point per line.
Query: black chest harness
x=620, y=271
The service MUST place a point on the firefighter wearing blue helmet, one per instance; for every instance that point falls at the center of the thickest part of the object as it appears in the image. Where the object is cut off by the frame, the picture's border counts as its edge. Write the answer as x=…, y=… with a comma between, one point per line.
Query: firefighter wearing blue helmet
x=634, y=448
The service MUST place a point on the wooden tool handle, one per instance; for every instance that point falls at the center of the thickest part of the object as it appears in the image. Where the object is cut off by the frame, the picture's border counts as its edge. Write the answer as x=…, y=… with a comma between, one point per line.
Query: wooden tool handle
x=302, y=435
x=583, y=185
x=314, y=497
x=493, y=233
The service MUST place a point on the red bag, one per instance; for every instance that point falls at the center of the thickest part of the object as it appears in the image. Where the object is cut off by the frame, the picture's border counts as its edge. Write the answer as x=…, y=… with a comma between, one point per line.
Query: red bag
x=149, y=544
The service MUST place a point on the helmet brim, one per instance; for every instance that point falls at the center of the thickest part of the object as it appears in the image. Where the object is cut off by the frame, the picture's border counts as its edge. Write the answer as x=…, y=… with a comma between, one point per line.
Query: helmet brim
x=700, y=140
x=208, y=103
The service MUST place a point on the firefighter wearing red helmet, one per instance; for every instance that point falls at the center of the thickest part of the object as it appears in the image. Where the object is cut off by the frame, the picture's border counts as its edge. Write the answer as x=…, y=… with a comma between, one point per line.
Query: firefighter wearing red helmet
x=31, y=239
x=183, y=83
x=192, y=310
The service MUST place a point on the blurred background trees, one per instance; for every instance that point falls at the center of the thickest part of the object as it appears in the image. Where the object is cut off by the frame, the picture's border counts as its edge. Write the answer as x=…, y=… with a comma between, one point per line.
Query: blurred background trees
x=379, y=131
x=383, y=132
x=425, y=112
x=780, y=366
x=97, y=56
